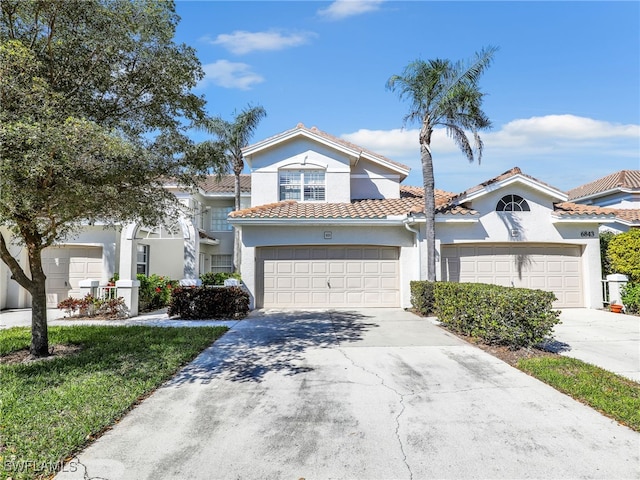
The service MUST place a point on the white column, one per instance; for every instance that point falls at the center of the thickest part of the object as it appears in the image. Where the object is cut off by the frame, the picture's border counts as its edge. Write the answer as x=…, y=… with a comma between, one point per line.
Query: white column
x=617, y=282
x=128, y=289
x=128, y=252
x=191, y=249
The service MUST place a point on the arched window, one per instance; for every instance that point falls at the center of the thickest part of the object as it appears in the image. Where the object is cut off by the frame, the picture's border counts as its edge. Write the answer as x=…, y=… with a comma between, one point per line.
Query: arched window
x=512, y=203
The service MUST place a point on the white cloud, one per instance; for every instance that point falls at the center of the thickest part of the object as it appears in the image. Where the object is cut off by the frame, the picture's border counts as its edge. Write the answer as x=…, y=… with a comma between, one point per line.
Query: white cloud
x=562, y=150
x=224, y=73
x=568, y=127
x=341, y=9
x=399, y=143
x=241, y=42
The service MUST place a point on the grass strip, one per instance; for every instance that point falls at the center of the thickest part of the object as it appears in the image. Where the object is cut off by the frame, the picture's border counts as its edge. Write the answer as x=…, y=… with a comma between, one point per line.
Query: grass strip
x=613, y=395
x=51, y=408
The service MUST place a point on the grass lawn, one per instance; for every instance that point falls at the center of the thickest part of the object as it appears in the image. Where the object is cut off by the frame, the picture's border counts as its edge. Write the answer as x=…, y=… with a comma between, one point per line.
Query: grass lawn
x=611, y=394
x=49, y=409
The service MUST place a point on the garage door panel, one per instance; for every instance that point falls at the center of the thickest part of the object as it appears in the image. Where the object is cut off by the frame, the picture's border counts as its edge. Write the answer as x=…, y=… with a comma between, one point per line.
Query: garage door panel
x=351, y=276
x=302, y=267
x=301, y=282
x=337, y=267
x=555, y=268
x=65, y=267
x=354, y=268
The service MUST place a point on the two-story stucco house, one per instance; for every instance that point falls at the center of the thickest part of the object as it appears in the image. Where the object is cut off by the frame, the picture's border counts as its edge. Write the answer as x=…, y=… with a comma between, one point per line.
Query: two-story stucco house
x=326, y=223
x=330, y=225
x=200, y=242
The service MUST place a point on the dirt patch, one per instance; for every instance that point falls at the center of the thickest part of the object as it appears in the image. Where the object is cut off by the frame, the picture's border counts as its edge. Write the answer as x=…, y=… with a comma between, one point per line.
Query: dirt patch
x=505, y=353
x=55, y=351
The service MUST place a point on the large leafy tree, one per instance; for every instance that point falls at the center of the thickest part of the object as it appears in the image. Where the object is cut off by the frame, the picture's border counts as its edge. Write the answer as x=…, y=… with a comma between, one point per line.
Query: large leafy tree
x=95, y=98
x=446, y=94
x=230, y=137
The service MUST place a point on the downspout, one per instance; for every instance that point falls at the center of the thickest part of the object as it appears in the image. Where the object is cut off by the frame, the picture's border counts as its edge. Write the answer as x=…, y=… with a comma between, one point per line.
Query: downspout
x=411, y=221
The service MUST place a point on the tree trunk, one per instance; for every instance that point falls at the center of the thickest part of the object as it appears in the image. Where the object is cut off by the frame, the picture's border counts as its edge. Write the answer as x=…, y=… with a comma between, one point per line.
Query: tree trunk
x=39, y=330
x=236, y=232
x=429, y=209
x=36, y=286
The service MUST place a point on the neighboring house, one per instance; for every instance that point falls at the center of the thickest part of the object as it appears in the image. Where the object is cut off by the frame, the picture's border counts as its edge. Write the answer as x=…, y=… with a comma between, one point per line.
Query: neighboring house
x=327, y=224
x=619, y=191
x=202, y=242
x=331, y=226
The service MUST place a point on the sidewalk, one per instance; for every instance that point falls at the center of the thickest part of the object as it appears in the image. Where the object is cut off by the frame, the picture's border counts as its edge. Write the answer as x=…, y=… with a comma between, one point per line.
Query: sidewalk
x=159, y=318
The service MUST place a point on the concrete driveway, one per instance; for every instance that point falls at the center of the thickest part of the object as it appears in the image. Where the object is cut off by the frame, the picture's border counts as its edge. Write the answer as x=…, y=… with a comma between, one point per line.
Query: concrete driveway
x=608, y=340
x=367, y=394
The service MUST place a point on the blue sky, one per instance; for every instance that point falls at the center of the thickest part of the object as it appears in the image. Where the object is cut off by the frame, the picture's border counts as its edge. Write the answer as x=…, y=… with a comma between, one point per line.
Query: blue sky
x=563, y=93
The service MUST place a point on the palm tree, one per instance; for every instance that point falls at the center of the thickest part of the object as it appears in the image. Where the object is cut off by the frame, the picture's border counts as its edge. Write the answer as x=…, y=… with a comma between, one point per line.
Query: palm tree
x=231, y=138
x=446, y=94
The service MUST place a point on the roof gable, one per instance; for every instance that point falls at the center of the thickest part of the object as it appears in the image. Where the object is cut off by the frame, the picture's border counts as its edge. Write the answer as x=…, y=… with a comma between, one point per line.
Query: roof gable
x=622, y=181
x=314, y=134
x=507, y=178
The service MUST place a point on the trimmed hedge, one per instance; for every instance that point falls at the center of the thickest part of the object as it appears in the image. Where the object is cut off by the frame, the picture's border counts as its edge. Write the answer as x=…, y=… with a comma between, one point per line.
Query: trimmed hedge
x=199, y=303
x=515, y=317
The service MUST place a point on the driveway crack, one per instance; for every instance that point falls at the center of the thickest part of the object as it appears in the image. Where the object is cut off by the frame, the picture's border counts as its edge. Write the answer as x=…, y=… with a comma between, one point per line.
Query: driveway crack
x=401, y=397
x=77, y=463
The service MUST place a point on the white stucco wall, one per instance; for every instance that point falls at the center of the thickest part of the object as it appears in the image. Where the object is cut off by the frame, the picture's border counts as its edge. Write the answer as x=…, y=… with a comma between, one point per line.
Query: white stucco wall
x=14, y=296
x=259, y=236
x=537, y=226
x=370, y=180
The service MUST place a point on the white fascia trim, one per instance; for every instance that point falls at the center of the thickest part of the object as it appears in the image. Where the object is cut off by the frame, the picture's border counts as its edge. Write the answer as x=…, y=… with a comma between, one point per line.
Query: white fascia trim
x=451, y=219
x=611, y=191
x=553, y=192
x=465, y=219
x=229, y=195
x=581, y=219
x=355, y=153
x=269, y=142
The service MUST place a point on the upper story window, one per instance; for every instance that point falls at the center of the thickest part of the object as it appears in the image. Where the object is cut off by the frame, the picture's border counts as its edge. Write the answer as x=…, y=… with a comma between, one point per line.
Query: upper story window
x=512, y=203
x=219, y=221
x=302, y=185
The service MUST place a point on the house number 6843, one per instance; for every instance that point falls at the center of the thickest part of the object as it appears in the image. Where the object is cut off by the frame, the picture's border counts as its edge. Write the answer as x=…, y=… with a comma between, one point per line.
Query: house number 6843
x=588, y=233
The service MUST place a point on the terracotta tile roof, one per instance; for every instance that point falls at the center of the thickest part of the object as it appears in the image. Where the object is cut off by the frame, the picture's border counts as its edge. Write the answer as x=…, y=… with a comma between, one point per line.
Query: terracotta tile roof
x=410, y=202
x=226, y=184
x=340, y=141
x=508, y=174
x=570, y=209
x=624, y=179
x=628, y=215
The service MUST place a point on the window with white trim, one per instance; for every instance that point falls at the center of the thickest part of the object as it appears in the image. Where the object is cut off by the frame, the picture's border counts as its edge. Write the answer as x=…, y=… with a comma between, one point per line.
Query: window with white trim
x=222, y=263
x=512, y=203
x=302, y=185
x=142, y=259
x=219, y=221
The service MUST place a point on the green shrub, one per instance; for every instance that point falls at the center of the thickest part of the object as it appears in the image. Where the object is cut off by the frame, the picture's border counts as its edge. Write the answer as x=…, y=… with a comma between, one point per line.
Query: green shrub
x=630, y=297
x=605, y=262
x=211, y=278
x=422, y=297
x=515, y=317
x=209, y=302
x=155, y=292
x=624, y=254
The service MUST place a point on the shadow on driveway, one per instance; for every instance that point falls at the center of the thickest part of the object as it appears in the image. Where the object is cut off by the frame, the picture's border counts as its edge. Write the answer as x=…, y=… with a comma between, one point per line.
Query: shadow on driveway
x=273, y=342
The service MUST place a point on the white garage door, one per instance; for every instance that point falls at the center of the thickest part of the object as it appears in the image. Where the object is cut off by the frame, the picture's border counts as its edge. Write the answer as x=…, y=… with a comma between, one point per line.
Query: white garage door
x=555, y=268
x=65, y=267
x=328, y=277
